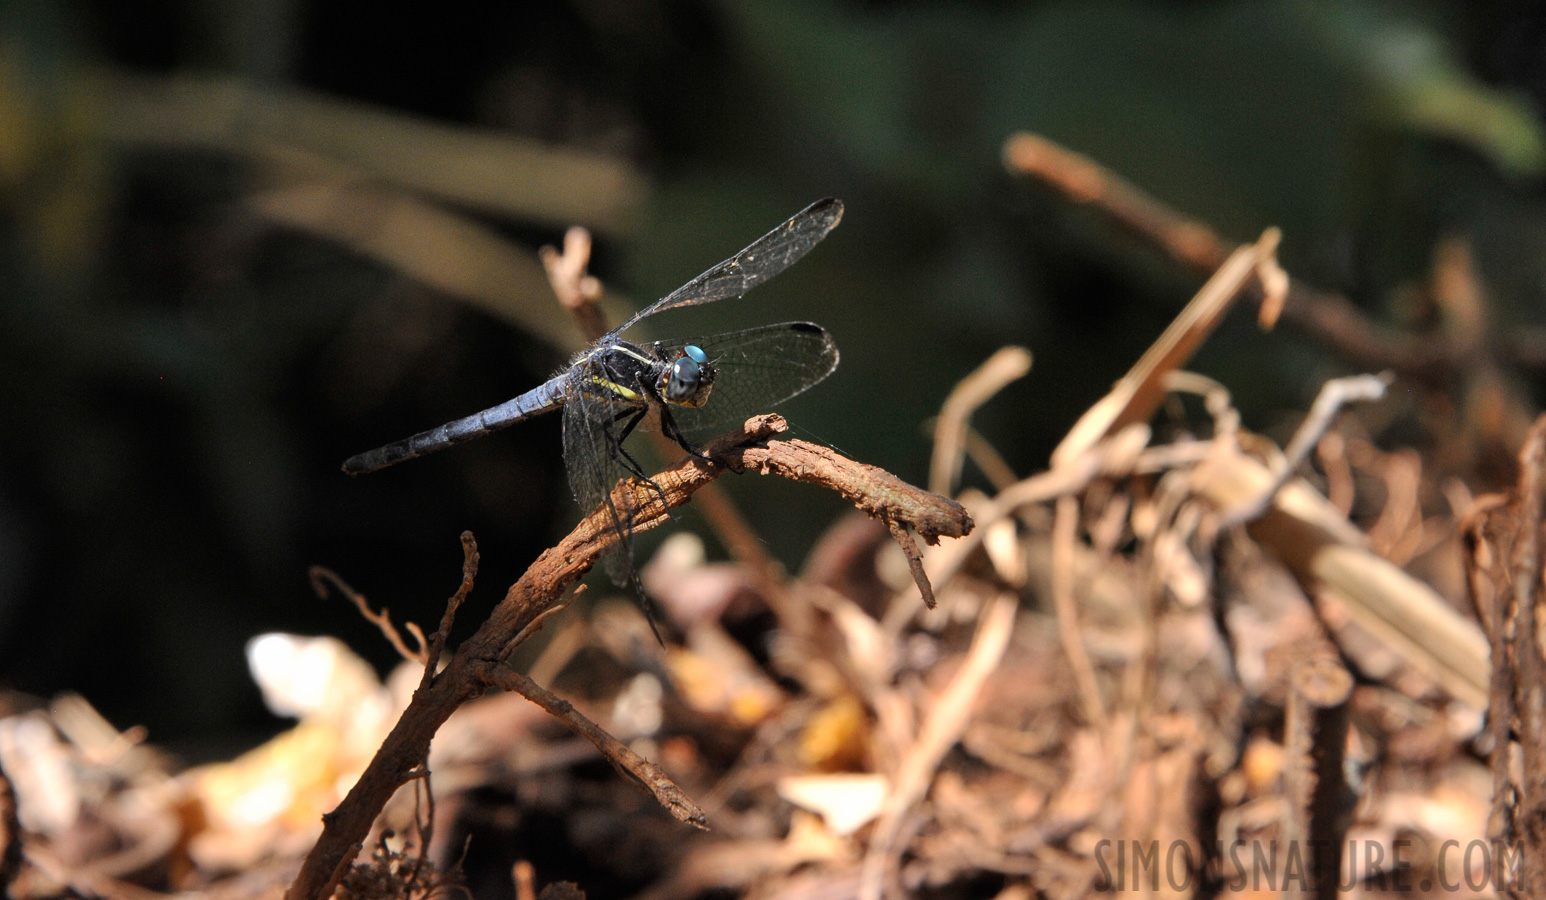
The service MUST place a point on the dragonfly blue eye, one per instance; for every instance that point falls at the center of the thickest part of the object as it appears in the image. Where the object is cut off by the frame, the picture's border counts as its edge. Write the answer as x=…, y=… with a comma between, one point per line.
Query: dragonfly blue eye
x=685, y=376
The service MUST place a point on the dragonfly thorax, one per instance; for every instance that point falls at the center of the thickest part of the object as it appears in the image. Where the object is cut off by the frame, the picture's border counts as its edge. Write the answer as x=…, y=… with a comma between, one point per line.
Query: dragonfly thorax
x=689, y=379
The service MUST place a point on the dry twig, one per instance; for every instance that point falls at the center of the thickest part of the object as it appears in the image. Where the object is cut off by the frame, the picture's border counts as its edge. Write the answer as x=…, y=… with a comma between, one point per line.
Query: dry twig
x=1334, y=395
x=1065, y=536
x=1483, y=583
x=645, y=773
x=524, y=875
x=1138, y=394
x=1325, y=552
x=445, y=250
x=944, y=726
x=482, y=169
x=437, y=641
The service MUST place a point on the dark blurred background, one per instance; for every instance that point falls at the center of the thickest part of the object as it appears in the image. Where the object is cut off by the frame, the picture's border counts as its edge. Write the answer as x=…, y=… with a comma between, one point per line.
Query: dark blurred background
x=243, y=241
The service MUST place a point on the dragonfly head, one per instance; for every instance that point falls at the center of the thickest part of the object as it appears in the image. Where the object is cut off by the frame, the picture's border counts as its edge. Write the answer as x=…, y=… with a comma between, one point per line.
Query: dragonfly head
x=689, y=379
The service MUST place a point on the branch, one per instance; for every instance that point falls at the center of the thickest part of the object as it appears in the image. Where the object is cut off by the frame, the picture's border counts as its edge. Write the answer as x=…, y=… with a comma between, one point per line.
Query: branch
x=647, y=774
x=1327, y=317
x=478, y=665
x=1523, y=600
x=1319, y=804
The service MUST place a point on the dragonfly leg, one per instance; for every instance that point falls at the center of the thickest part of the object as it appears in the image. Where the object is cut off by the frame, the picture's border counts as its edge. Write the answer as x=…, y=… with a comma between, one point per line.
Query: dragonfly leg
x=669, y=429
x=646, y=606
x=634, y=417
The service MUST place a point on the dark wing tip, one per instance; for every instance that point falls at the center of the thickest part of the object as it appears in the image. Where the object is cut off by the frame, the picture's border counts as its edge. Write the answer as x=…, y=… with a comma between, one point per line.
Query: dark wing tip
x=829, y=346
x=828, y=208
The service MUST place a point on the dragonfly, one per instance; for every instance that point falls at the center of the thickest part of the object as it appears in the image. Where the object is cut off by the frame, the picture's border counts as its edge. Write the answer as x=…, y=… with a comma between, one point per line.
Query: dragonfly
x=685, y=388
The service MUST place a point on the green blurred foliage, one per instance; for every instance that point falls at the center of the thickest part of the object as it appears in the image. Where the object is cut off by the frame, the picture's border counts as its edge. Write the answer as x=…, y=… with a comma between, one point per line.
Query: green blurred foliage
x=184, y=375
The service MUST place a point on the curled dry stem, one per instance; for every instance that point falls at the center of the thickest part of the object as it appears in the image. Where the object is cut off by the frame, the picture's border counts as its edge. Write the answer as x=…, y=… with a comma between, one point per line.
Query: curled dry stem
x=576, y=289
x=479, y=665
x=323, y=577
x=952, y=429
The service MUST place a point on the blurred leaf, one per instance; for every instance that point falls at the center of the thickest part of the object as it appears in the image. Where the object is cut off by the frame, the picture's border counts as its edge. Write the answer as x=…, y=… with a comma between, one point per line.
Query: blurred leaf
x=443, y=249
x=483, y=169
x=1424, y=87
x=55, y=182
x=856, y=78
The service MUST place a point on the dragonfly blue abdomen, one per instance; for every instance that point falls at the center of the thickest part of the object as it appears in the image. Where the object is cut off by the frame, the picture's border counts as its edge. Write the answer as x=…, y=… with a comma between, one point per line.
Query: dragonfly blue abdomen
x=544, y=398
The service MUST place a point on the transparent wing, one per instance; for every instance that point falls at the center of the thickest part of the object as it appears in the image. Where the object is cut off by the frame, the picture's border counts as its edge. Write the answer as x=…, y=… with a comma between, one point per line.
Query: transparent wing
x=767, y=256
x=594, y=457
x=756, y=369
x=591, y=456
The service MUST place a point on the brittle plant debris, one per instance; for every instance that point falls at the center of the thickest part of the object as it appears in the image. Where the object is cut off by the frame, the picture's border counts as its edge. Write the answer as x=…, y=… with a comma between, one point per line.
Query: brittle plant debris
x=1171, y=647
